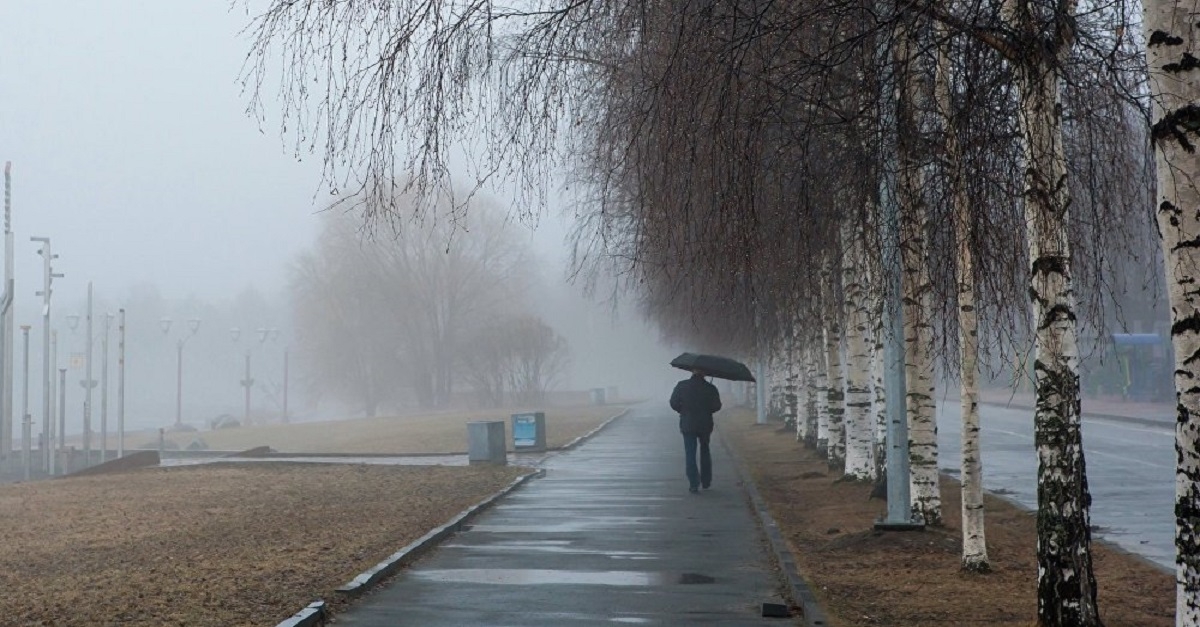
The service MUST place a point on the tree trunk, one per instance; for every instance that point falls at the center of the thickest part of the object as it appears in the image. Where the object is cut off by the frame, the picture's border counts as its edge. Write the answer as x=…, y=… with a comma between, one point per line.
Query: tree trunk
x=822, y=380
x=837, y=397
x=1066, y=584
x=915, y=285
x=974, y=545
x=813, y=394
x=1175, y=91
x=859, y=429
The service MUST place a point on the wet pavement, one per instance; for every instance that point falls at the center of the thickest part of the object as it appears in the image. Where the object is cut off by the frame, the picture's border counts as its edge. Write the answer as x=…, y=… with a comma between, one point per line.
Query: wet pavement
x=1130, y=470
x=609, y=536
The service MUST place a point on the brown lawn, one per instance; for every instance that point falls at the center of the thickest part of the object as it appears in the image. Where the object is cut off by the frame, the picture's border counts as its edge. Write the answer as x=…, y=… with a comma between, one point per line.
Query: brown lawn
x=912, y=579
x=429, y=433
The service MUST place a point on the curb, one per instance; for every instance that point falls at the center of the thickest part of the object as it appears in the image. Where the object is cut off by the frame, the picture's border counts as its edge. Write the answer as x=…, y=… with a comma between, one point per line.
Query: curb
x=315, y=613
x=799, y=590
x=587, y=436
x=1145, y=422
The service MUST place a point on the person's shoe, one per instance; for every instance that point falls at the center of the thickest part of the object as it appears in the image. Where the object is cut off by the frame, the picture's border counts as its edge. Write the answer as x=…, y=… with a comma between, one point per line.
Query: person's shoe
x=693, y=490
x=705, y=486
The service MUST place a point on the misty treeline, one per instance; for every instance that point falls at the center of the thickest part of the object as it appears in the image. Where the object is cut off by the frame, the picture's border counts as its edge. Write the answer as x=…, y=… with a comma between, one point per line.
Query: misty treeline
x=753, y=172
x=389, y=318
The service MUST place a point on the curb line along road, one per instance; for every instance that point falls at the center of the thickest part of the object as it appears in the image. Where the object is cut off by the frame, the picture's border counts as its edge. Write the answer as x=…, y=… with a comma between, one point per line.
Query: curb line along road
x=315, y=613
x=798, y=588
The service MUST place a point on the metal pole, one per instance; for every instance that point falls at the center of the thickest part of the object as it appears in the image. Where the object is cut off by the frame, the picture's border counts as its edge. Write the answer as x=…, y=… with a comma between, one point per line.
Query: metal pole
x=899, y=498
x=47, y=278
x=246, y=383
x=121, y=383
x=760, y=390
x=6, y=321
x=285, y=385
x=52, y=440
x=104, y=389
x=179, y=384
x=62, y=418
x=87, y=387
x=26, y=426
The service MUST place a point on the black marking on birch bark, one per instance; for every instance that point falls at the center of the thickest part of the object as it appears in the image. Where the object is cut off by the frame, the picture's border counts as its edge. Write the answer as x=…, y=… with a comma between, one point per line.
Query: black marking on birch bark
x=1189, y=243
x=1186, y=63
x=1160, y=38
x=1176, y=125
x=1047, y=264
x=1189, y=324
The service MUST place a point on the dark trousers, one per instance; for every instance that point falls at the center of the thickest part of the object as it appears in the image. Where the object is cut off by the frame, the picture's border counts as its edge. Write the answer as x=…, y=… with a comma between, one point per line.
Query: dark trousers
x=704, y=476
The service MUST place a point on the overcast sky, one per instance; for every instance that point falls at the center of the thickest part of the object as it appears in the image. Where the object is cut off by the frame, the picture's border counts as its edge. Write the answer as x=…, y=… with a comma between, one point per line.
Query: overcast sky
x=131, y=150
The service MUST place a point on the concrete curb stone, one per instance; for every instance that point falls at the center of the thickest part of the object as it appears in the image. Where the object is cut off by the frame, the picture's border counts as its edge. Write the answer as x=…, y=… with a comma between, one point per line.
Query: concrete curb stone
x=798, y=588
x=315, y=613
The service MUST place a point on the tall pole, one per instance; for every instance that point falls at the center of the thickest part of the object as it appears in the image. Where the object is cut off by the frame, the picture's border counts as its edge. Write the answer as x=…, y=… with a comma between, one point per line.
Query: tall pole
x=6, y=321
x=247, y=382
x=62, y=417
x=121, y=383
x=285, y=385
x=179, y=383
x=104, y=389
x=48, y=277
x=87, y=386
x=26, y=427
x=52, y=440
x=899, y=498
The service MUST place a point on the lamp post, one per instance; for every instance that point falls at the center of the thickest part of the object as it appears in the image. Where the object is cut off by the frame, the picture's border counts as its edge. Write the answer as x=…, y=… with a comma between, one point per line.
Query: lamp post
x=248, y=381
x=26, y=427
x=193, y=326
x=108, y=318
x=48, y=276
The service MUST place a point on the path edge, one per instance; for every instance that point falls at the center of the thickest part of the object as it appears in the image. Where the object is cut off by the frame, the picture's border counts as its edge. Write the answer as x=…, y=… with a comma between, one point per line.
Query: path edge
x=316, y=614
x=587, y=436
x=799, y=590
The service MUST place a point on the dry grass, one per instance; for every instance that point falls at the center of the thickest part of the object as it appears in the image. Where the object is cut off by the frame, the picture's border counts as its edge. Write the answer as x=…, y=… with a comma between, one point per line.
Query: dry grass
x=912, y=579
x=245, y=544
x=430, y=433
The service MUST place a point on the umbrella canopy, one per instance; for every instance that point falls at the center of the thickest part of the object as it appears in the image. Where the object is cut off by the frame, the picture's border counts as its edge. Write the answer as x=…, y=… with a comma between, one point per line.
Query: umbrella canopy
x=714, y=366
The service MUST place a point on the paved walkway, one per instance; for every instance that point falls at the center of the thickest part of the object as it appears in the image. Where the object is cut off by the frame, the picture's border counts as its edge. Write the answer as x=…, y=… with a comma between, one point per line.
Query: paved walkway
x=609, y=536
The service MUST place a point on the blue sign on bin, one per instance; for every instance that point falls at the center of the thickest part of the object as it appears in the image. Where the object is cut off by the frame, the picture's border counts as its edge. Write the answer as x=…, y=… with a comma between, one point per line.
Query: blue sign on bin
x=529, y=431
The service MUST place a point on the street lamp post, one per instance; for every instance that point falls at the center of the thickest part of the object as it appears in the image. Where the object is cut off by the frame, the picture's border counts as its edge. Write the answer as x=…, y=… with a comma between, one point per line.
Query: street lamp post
x=108, y=317
x=48, y=276
x=248, y=381
x=26, y=427
x=193, y=326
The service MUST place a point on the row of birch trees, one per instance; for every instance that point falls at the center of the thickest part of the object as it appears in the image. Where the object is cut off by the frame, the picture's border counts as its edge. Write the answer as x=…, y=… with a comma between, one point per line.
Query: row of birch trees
x=734, y=164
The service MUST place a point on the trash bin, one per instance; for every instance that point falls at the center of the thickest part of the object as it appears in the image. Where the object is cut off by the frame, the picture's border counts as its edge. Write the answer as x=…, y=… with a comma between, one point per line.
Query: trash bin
x=529, y=432
x=597, y=396
x=485, y=443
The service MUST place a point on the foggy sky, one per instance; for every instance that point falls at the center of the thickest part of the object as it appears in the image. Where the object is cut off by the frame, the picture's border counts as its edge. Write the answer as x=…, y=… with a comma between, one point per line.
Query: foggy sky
x=131, y=150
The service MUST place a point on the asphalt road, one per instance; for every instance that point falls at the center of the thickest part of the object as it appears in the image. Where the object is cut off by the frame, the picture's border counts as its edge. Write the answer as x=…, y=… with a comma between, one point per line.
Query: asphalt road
x=609, y=536
x=1130, y=468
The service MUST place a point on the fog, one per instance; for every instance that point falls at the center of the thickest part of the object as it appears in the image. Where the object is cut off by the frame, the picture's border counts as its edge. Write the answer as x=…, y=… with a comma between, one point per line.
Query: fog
x=131, y=151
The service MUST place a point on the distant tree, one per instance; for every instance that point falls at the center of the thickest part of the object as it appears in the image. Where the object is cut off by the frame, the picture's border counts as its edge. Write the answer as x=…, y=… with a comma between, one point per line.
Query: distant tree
x=387, y=312
x=519, y=358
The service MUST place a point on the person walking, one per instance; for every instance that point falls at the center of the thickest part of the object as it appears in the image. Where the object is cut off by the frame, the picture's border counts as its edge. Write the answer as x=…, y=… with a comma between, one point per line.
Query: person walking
x=696, y=400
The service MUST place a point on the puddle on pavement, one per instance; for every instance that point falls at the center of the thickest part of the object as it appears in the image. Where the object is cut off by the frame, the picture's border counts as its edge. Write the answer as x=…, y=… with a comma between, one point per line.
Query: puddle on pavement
x=515, y=577
x=559, y=547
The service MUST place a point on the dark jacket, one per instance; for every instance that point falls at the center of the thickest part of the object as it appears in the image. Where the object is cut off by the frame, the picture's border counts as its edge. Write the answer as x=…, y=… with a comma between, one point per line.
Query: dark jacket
x=696, y=400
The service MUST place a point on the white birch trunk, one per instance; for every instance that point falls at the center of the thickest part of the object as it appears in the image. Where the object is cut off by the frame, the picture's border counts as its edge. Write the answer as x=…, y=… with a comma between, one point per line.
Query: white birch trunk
x=879, y=406
x=822, y=380
x=1066, y=583
x=916, y=288
x=859, y=338
x=1175, y=95
x=837, y=397
x=974, y=544
x=813, y=393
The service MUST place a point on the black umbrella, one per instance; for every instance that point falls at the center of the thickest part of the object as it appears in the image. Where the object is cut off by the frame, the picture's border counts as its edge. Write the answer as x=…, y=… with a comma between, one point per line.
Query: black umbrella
x=714, y=366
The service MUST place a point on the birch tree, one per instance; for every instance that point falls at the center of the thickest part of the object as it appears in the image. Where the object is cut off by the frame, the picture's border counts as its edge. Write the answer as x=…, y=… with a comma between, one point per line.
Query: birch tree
x=918, y=330
x=974, y=545
x=1172, y=39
